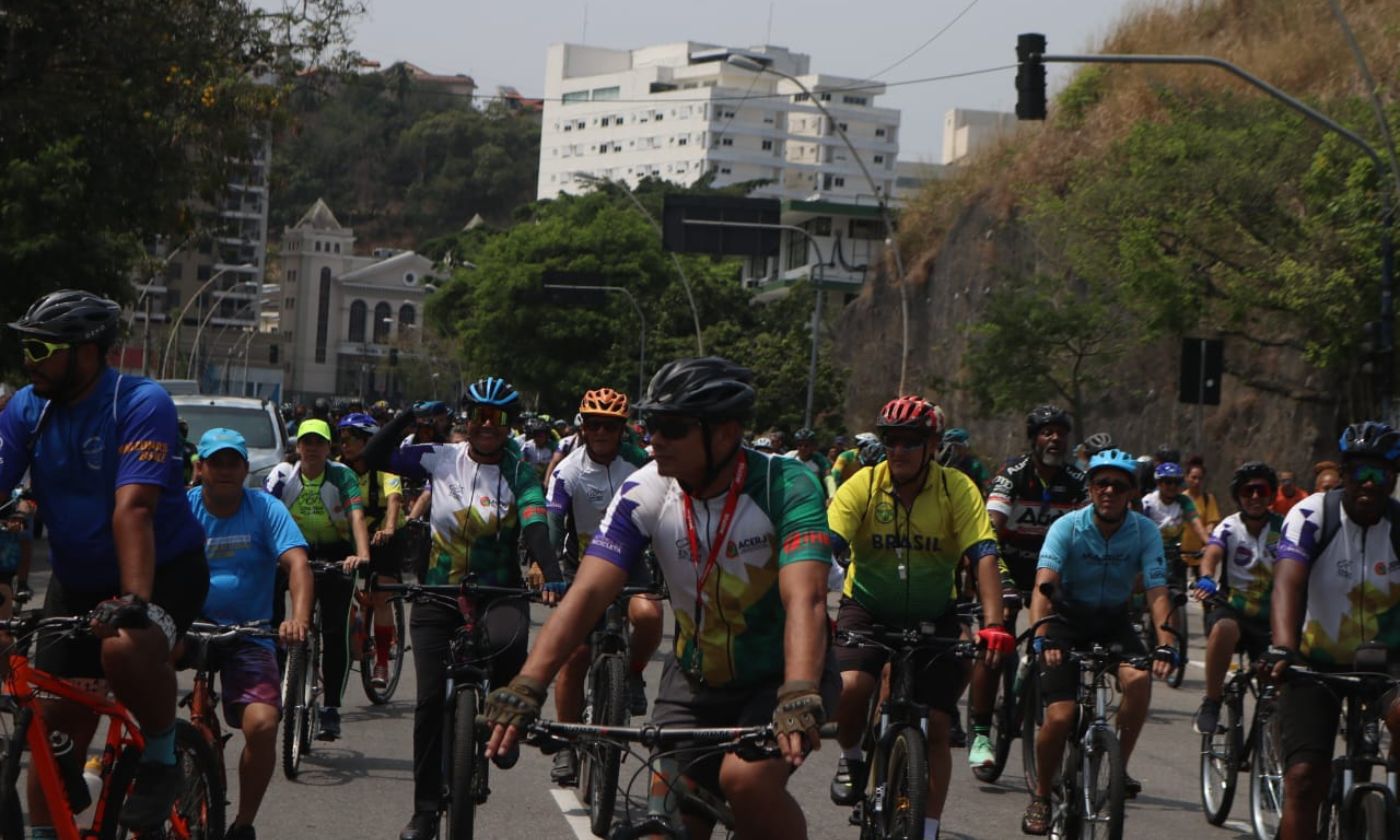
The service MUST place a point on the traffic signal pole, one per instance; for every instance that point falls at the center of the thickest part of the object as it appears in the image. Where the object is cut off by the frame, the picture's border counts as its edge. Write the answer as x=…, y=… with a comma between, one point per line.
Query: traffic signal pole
x=1031, y=58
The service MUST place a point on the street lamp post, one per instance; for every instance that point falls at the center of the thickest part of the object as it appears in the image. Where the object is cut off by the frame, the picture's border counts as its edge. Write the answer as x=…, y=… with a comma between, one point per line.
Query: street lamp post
x=685, y=281
x=642, y=353
x=165, y=357
x=194, y=349
x=744, y=62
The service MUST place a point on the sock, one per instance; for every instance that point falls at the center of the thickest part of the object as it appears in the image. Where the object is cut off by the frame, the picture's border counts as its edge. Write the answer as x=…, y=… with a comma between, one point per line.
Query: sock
x=930, y=828
x=852, y=753
x=43, y=832
x=160, y=747
x=981, y=724
x=383, y=637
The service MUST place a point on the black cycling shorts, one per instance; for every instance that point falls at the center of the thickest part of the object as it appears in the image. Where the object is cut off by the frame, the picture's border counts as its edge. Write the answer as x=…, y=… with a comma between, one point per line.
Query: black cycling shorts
x=1307, y=717
x=941, y=678
x=180, y=589
x=1255, y=635
x=1062, y=681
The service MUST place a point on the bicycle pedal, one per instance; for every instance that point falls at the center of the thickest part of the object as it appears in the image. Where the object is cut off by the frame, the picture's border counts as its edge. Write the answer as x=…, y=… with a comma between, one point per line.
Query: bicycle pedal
x=857, y=816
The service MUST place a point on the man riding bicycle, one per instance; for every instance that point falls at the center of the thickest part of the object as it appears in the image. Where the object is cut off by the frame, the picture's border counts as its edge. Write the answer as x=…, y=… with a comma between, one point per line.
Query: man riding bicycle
x=1091, y=560
x=806, y=454
x=248, y=536
x=742, y=543
x=1027, y=496
x=1238, y=564
x=103, y=451
x=1338, y=578
x=324, y=499
x=908, y=522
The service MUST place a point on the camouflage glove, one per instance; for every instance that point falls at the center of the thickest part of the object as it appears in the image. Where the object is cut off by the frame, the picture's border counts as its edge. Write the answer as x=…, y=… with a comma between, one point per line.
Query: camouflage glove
x=516, y=704
x=799, y=708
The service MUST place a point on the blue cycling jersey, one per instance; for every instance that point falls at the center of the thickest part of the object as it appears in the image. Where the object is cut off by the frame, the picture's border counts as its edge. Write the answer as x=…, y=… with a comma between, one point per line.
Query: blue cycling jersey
x=124, y=432
x=1098, y=574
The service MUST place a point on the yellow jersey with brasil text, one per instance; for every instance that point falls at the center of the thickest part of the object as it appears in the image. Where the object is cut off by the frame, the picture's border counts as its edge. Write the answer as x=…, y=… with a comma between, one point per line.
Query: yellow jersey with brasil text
x=904, y=560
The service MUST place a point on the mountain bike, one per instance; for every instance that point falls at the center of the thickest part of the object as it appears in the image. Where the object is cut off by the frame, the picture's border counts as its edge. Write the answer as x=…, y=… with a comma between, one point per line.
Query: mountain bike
x=363, y=615
x=302, y=686
x=1266, y=768
x=1012, y=683
x=895, y=744
x=66, y=795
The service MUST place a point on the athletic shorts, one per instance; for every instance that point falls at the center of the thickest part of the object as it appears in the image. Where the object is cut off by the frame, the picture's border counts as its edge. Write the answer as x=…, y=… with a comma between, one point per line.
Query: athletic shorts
x=1062, y=681
x=941, y=678
x=681, y=703
x=180, y=589
x=248, y=673
x=1308, y=713
x=1255, y=635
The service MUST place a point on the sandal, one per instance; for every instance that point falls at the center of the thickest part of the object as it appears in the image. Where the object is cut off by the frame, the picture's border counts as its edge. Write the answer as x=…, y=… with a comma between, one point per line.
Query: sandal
x=1037, y=817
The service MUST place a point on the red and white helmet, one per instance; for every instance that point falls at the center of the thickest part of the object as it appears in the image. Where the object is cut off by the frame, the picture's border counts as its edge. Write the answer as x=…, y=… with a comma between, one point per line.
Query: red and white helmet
x=912, y=412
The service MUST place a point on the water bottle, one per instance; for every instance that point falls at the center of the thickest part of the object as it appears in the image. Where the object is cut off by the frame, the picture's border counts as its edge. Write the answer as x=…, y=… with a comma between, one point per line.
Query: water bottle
x=71, y=769
x=1022, y=671
x=92, y=775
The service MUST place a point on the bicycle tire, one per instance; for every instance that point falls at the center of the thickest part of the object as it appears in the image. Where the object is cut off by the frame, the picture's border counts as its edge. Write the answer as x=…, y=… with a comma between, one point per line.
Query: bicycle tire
x=608, y=690
x=293, y=710
x=11, y=814
x=1265, y=777
x=380, y=696
x=906, y=785
x=1220, y=763
x=1178, y=619
x=1369, y=816
x=1030, y=722
x=312, y=684
x=201, y=803
x=461, y=806
x=1106, y=794
x=123, y=774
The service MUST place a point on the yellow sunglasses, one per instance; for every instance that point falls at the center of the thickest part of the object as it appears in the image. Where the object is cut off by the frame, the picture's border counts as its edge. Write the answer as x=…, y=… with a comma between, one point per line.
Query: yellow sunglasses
x=37, y=350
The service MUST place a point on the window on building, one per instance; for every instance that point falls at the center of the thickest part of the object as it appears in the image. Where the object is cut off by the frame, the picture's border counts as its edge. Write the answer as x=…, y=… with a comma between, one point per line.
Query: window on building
x=796, y=250
x=855, y=100
x=574, y=97
x=826, y=97
x=323, y=315
x=879, y=132
x=603, y=122
x=407, y=315
x=680, y=141
x=726, y=141
x=879, y=158
x=767, y=145
x=800, y=97
x=172, y=301
x=867, y=229
x=318, y=246
x=383, y=319
x=204, y=272
x=337, y=247
x=601, y=94
x=568, y=126
x=580, y=124
x=820, y=226
x=724, y=170
x=289, y=304
x=603, y=149
x=358, y=312
x=272, y=355
x=659, y=116
x=842, y=126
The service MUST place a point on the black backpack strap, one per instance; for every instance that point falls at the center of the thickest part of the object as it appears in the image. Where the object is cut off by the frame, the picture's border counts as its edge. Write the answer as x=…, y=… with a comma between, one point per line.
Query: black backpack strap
x=1331, y=519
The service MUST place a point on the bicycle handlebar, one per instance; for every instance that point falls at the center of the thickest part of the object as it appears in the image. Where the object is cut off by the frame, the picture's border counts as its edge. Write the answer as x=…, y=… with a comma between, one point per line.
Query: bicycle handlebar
x=551, y=736
x=890, y=639
x=217, y=632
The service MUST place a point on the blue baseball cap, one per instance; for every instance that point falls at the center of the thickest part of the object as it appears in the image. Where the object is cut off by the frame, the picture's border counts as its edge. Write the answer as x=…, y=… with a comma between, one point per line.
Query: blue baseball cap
x=216, y=440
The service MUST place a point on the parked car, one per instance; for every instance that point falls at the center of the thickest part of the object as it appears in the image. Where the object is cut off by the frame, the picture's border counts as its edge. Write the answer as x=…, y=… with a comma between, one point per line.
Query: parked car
x=259, y=421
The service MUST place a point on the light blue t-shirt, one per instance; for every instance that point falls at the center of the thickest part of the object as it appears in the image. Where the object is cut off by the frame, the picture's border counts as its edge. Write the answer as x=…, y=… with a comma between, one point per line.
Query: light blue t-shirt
x=243, y=551
x=1098, y=574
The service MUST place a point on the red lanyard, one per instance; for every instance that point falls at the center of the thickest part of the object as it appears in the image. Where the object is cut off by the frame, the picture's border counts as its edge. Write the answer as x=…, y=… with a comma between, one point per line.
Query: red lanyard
x=726, y=518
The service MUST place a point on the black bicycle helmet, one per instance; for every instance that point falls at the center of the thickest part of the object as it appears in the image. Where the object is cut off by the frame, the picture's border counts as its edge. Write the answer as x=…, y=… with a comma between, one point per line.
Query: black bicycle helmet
x=535, y=425
x=1250, y=470
x=1098, y=442
x=1166, y=454
x=803, y=435
x=708, y=388
x=1046, y=415
x=1370, y=439
x=73, y=316
x=491, y=390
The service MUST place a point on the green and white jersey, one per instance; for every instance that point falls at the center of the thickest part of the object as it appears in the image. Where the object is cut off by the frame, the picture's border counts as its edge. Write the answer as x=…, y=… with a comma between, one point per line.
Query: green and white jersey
x=1248, y=566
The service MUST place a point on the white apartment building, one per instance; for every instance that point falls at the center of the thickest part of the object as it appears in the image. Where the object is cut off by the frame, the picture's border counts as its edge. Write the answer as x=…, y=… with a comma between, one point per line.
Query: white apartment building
x=965, y=131
x=677, y=111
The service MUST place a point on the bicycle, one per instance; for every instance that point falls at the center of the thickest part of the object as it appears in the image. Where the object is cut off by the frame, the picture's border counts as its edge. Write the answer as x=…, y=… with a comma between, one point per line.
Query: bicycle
x=896, y=793
x=67, y=796
x=671, y=792
x=365, y=644
x=302, y=685
x=1009, y=712
x=465, y=771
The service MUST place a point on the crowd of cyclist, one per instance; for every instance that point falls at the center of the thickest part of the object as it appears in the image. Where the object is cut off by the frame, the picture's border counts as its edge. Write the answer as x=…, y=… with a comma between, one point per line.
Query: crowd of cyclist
x=745, y=536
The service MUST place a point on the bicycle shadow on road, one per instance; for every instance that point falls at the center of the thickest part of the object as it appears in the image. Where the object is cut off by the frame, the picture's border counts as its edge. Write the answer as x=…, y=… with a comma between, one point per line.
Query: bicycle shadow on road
x=330, y=766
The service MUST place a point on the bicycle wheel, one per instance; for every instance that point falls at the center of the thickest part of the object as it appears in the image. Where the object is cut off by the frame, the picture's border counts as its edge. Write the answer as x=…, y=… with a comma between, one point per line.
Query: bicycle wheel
x=1005, y=724
x=198, y=813
x=1103, y=793
x=123, y=774
x=11, y=814
x=1177, y=619
x=312, y=684
x=1369, y=815
x=1265, y=776
x=607, y=707
x=294, y=711
x=381, y=695
x=906, y=791
x=1066, y=802
x=461, y=805
x=1220, y=763
x=1030, y=722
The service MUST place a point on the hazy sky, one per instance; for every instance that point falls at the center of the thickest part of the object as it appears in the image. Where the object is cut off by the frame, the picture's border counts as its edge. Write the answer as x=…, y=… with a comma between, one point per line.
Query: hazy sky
x=503, y=42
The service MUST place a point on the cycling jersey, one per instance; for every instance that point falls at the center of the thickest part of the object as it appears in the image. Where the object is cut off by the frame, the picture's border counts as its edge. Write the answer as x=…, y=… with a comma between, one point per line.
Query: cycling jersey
x=1353, y=583
x=124, y=432
x=845, y=465
x=1032, y=506
x=1171, y=519
x=321, y=506
x=777, y=519
x=1248, y=566
x=478, y=510
x=1098, y=574
x=376, y=493
x=566, y=445
x=819, y=467
x=579, y=493
x=243, y=552
x=537, y=455
x=903, y=561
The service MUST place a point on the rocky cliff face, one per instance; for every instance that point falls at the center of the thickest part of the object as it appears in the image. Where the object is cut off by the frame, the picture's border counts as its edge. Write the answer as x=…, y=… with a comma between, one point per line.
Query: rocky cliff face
x=1274, y=406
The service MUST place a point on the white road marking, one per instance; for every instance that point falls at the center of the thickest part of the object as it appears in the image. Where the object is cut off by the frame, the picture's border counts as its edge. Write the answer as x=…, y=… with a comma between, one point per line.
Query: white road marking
x=574, y=813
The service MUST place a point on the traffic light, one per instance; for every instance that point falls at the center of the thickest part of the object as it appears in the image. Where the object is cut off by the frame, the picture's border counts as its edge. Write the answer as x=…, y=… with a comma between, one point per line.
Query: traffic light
x=1030, y=76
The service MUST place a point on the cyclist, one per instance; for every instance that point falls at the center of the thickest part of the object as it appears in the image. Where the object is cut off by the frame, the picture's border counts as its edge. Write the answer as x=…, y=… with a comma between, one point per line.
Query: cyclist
x=537, y=447
x=382, y=493
x=248, y=536
x=907, y=523
x=579, y=493
x=16, y=551
x=747, y=576
x=956, y=452
x=324, y=499
x=806, y=453
x=1338, y=579
x=1174, y=513
x=485, y=500
x=1026, y=498
x=845, y=464
x=1207, y=507
x=103, y=451
x=1092, y=558
x=1238, y=562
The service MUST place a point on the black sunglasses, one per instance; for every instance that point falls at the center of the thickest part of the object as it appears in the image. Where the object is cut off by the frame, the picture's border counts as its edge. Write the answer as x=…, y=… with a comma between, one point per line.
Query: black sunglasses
x=671, y=426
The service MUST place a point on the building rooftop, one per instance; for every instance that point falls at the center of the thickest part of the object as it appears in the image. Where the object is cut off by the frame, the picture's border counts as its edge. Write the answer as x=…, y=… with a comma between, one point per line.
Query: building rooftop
x=319, y=217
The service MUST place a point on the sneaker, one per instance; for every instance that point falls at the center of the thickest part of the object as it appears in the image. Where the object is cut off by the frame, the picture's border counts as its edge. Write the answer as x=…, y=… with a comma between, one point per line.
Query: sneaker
x=380, y=677
x=153, y=794
x=636, y=695
x=981, y=754
x=1131, y=787
x=241, y=832
x=849, y=781
x=423, y=825
x=1207, y=717
x=565, y=771
x=330, y=725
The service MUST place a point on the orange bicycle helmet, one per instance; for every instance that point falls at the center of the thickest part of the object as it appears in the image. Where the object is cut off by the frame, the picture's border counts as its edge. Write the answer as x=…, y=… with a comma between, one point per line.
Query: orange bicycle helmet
x=604, y=402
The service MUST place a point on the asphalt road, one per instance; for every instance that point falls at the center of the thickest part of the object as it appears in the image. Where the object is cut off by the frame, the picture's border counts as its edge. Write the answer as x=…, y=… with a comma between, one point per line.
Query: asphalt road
x=361, y=786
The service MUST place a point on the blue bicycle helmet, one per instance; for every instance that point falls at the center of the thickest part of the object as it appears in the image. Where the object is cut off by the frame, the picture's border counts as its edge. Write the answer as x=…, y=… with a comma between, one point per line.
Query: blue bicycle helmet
x=492, y=390
x=359, y=422
x=957, y=434
x=1169, y=470
x=871, y=453
x=1115, y=459
x=1369, y=439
